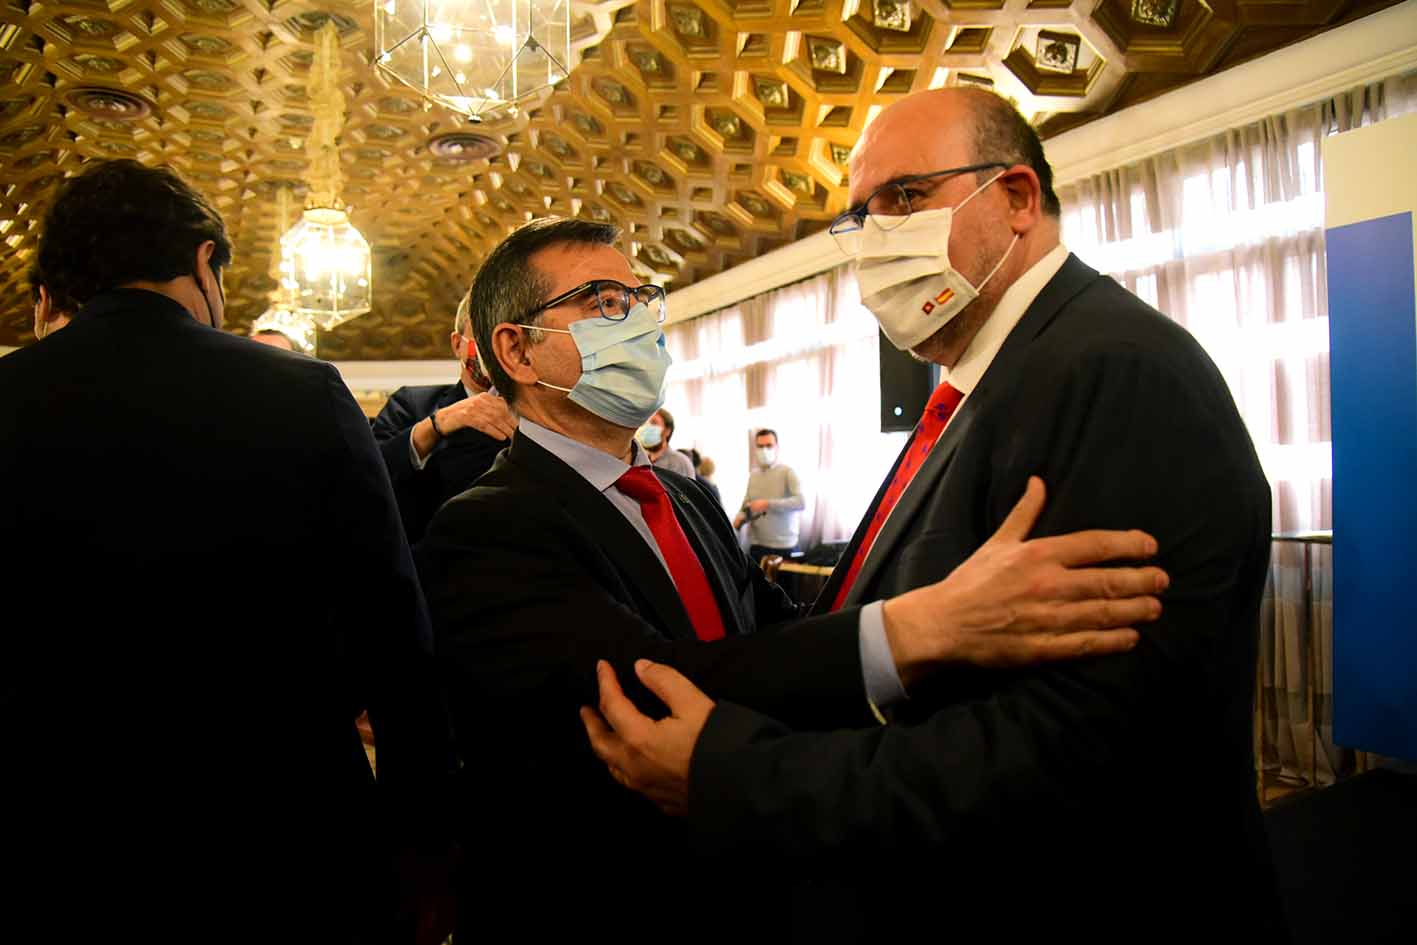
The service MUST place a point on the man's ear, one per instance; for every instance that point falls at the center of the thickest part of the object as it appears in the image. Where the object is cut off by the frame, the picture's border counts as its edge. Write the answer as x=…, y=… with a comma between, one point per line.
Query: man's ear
x=453, y=338
x=509, y=347
x=1025, y=196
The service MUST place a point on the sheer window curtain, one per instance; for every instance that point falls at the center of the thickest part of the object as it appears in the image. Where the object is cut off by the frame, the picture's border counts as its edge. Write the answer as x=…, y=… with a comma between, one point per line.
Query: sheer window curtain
x=801, y=360
x=1226, y=237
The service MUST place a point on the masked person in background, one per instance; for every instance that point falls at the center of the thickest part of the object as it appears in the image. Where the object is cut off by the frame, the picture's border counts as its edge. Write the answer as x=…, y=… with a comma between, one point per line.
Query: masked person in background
x=771, y=504
x=573, y=548
x=655, y=435
x=437, y=439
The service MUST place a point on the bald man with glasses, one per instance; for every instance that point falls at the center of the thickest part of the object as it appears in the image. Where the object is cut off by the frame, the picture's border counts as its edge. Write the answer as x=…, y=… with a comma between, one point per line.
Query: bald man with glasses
x=573, y=548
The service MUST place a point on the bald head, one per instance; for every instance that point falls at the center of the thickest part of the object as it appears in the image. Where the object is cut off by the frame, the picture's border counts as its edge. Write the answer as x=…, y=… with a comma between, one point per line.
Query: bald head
x=962, y=126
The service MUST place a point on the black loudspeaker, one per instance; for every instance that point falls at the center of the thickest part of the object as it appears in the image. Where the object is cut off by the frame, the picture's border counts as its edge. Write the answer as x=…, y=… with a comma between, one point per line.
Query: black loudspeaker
x=906, y=385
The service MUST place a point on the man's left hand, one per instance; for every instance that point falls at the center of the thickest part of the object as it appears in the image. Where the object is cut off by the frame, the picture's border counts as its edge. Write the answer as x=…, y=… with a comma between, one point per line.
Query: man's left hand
x=647, y=756
x=758, y=506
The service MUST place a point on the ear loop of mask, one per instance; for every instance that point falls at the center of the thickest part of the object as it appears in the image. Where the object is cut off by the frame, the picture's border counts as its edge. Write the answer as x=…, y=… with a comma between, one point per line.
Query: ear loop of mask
x=559, y=331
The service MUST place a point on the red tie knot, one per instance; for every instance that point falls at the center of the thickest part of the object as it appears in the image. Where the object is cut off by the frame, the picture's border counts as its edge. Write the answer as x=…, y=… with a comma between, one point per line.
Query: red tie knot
x=641, y=484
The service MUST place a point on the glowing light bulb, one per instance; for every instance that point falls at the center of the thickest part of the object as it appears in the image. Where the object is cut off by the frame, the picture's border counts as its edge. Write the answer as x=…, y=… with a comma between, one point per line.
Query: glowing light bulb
x=463, y=53
x=504, y=35
x=436, y=71
x=441, y=32
x=390, y=8
x=461, y=78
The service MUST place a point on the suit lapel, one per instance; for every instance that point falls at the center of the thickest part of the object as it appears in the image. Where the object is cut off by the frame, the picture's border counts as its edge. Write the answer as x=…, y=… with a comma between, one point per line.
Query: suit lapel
x=1072, y=278
x=711, y=555
x=636, y=566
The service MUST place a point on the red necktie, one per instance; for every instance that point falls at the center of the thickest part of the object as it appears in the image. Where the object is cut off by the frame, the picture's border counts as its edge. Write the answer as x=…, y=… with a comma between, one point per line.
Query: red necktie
x=937, y=413
x=642, y=485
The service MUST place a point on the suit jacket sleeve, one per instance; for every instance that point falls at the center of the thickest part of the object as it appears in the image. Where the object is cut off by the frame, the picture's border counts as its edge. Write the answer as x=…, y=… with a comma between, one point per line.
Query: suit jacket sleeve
x=516, y=614
x=392, y=429
x=1133, y=441
x=379, y=611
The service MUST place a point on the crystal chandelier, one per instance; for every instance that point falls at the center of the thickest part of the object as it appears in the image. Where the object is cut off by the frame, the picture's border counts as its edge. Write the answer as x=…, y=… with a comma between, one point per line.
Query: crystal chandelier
x=481, y=59
x=300, y=329
x=326, y=267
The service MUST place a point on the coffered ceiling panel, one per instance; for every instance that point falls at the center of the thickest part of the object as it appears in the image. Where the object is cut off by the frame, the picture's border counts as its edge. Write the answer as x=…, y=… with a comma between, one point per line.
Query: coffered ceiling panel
x=710, y=131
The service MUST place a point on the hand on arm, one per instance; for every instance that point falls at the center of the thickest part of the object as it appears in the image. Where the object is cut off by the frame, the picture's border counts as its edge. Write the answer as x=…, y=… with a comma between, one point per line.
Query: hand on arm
x=646, y=756
x=1013, y=602
x=1016, y=602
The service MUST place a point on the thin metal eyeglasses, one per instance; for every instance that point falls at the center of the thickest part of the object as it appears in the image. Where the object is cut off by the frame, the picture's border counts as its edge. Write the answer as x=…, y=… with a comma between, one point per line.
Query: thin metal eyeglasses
x=892, y=203
x=614, y=299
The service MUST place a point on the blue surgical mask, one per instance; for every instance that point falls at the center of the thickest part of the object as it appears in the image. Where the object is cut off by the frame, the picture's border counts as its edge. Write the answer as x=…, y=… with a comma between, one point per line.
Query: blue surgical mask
x=649, y=436
x=623, y=365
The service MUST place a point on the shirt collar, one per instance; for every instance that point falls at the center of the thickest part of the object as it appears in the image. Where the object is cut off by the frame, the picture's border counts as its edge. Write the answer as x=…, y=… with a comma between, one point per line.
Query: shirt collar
x=970, y=367
x=598, y=468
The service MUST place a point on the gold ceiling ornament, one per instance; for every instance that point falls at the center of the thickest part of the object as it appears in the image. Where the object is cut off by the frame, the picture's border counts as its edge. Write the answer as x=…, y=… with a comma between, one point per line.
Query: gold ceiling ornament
x=433, y=206
x=484, y=60
x=298, y=327
x=326, y=265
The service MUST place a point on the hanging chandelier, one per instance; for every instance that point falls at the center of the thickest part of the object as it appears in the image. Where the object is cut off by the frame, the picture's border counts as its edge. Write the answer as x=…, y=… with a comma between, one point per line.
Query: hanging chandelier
x=300, y=329
x=326, y=266
x=482, y=60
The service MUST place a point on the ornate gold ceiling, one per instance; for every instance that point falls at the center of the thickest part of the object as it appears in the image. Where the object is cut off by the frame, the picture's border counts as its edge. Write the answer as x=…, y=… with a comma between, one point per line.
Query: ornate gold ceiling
x=711, y=131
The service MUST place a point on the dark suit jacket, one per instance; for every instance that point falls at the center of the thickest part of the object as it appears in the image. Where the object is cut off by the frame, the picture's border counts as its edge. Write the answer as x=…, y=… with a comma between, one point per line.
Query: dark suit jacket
x=454, y=464
x=532, y=576
x=209, y=584
x=1113, y=797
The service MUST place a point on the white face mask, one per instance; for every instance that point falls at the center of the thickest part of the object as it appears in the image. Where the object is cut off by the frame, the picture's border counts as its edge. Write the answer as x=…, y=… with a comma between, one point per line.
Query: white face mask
x=906, y=278
x=766, y=455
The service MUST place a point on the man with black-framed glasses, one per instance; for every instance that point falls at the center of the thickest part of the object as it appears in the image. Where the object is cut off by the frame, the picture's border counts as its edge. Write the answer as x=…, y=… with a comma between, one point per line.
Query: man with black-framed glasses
x=573, y=548
x=1131, y=773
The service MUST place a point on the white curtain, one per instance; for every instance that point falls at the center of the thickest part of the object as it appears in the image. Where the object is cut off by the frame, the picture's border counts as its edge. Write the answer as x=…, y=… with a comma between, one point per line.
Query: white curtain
x=802, y=361
x=1226, y=237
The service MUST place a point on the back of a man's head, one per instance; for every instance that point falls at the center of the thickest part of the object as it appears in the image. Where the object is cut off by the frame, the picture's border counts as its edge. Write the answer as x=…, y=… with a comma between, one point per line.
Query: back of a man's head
x=118, y=223
x=1001, y=133
x=507, y=286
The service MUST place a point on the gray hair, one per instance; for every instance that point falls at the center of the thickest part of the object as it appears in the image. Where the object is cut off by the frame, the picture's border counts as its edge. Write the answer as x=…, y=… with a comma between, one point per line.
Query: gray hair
x=462, y=320
x=508, y=287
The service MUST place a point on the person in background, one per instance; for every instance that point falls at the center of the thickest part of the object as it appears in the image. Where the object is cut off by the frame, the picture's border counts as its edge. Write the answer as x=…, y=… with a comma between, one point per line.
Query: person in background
x=276, y=339
x=437, y=440
x=655, y=435
x=50, y=313
x=700, y=465
x=771, y=504
x=183, y=748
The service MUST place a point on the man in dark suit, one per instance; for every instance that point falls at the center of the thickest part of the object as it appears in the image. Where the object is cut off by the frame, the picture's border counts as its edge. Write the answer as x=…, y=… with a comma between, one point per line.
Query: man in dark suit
x=1131, y=773
x=573, y=548
x=437, y=440
x=181, y=757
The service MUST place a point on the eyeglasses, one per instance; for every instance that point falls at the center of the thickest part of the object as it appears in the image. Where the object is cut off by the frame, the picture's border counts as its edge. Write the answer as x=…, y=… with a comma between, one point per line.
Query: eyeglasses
x=892, y=203
x=613, y=299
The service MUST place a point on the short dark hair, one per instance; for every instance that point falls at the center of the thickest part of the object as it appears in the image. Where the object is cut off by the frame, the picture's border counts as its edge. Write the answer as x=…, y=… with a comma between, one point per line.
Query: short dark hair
x=1002, y=134
x=766, y=432
x=693, y=455
x=507, y=286
x=120, y=222
x=61, y=302
x=668, y=419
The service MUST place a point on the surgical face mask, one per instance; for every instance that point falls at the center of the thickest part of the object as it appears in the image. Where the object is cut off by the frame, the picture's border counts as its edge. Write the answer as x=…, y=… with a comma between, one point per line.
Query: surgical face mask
x=906, y=278
x=650, y=436
x=766, y=455
x=623, y=366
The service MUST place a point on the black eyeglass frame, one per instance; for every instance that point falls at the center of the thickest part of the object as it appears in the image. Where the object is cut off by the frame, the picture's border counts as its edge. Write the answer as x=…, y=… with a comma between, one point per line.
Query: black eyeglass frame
x=857, y=214
x=655, y=292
